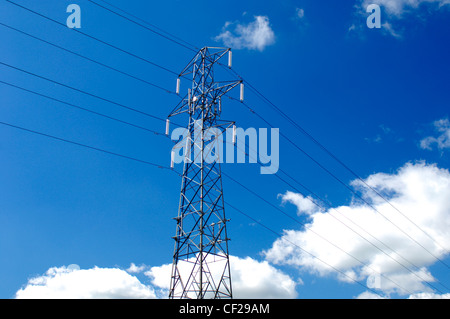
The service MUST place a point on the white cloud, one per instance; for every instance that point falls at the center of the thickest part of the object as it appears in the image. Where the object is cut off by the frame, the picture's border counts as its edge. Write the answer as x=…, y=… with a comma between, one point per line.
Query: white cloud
x=299, y=13
x=389, y=29
x=421, y=295
x=442, y=142
x=400, y=7
x=369, y=295
x=260, y=280
x=96, y=283
x=427, y=295
x=256, y=35
x=419, y=191
x=133, y=269
x=305, y=205
x=250, y=279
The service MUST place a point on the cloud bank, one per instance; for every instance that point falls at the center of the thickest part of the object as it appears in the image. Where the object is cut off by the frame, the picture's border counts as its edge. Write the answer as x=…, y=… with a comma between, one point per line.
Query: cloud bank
x=95, y=283
x=251, y=279
x=391, y=263
x=363, y=243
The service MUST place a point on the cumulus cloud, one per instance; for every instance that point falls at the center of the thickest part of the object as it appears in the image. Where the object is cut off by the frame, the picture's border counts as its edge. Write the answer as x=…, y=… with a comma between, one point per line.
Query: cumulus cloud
x=251, y=279
x=305, y=205
x=400, y=7
x=420, y=191
x=259, y=280
x=369, y=295
x=256, y=35
x=96, y=283
x=133, y=269
x=427, y=295
x=442, y=141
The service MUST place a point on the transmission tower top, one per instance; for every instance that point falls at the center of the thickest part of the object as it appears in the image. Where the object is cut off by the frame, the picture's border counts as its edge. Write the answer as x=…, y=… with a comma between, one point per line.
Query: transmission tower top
x=205, y=90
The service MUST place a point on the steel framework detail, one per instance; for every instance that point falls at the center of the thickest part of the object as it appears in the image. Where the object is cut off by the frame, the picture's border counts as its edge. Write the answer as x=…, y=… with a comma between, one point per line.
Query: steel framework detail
x=201, y=265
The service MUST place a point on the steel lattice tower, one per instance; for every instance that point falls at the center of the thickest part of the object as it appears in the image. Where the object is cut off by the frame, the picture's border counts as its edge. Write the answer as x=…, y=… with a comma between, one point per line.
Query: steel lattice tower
x=201, y=265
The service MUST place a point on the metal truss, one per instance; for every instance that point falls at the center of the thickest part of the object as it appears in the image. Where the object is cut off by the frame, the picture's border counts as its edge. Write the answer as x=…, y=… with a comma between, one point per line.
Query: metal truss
x=201, y=265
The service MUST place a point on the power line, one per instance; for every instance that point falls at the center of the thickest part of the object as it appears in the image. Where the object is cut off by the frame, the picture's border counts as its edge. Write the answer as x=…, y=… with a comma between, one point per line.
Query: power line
x=334, y=157
x=89, y=59
x=96, y=39
x=340, y=221
x=361, y=236
x=177, y=42
x=334, y=245
x=343, y=183
x=303, y=131
x=171, y=38
x=124, y=122
x=86, y=146
x=83, y=108
x=320, y=207
x=152, y=25
x=299, y=247
x=390, y=256
x=168, y=168
x=309, y=136
x=246, y=82
x=84, y=92
x=157, y=133
x=163, y=167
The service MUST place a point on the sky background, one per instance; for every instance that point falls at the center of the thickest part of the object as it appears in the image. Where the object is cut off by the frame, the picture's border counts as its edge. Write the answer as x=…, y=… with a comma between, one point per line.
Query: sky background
x=376, y=98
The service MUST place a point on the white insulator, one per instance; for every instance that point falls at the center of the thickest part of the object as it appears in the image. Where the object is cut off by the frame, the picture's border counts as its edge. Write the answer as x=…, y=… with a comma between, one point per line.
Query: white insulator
x=189, y=100
x=242, y=92
x=230, y=58
x=178, y=86
x=167, y=126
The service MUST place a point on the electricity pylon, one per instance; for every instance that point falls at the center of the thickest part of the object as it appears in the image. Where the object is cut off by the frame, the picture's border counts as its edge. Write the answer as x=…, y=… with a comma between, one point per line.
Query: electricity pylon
x=201, y=265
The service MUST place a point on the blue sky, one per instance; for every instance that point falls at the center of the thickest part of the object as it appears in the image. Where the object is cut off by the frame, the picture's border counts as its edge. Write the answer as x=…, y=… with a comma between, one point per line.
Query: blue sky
x=376, y=98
